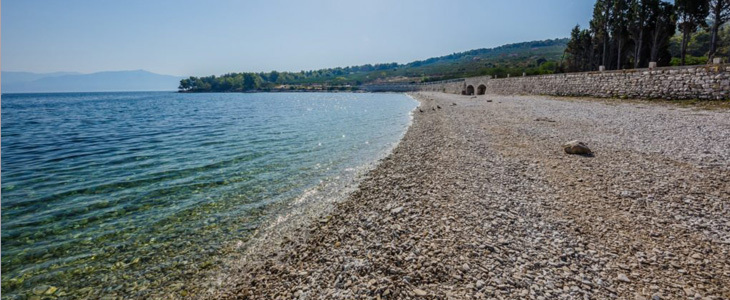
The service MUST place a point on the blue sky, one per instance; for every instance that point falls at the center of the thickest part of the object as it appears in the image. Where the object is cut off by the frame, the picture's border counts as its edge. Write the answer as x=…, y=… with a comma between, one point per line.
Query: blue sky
x=213, y=37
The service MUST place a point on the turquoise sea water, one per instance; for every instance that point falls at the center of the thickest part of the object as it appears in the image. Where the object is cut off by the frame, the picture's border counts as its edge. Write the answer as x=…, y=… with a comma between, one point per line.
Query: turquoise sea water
x=126, y=193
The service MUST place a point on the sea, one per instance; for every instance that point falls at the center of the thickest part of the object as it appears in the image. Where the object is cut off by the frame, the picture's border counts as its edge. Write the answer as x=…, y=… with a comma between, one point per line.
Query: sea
x=126, y=194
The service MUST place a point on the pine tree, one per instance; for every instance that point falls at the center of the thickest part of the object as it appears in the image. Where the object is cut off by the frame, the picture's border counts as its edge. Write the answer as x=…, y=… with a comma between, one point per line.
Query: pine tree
x=639, y=17
x=719, y=14
x=663, y=23
x=619, y=25
x=586, y=39
x=572, y=49
x=690, y=14
x=600, y=27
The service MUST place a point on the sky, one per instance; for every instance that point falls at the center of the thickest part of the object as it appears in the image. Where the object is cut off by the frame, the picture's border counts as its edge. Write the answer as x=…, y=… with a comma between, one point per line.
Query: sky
x=197, y=38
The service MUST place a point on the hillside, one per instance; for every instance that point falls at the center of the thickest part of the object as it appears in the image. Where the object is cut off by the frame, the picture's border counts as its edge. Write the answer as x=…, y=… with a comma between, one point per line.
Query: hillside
x=508, y=59
x=536, y=57
x=138, y=80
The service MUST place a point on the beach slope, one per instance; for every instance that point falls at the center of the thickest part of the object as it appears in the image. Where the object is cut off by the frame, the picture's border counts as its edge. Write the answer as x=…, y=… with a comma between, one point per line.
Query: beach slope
x=479, y=200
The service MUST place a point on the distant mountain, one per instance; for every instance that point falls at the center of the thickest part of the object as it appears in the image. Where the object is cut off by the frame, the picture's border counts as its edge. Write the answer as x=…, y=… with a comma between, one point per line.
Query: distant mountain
x=17, y=77
x=113, y=81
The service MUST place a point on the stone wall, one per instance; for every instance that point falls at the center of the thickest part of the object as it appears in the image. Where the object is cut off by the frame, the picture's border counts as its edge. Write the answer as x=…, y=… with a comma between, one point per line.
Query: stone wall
x=690, y=82
x=390, y=87
x=452, y=87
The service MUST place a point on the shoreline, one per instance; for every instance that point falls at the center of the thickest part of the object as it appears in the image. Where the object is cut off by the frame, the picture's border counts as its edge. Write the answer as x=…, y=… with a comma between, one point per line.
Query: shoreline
x=283, y=224
x=162, y=254
x=478, y=201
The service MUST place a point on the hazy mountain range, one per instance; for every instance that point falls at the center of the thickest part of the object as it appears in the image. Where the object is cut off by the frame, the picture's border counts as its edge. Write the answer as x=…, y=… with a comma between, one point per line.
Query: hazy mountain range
x=122, y=81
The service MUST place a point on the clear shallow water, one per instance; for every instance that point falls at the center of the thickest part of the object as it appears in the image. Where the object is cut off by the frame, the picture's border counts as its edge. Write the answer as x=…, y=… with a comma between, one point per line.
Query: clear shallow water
x=125, y=193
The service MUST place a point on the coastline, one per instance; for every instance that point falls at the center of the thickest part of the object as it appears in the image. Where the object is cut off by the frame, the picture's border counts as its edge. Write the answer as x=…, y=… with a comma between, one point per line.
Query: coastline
x=284, y=224
x=229, y=179
x=478, y=201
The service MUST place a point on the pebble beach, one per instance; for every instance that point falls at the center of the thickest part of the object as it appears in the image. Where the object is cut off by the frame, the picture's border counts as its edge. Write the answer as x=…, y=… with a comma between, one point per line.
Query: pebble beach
x=480, y=201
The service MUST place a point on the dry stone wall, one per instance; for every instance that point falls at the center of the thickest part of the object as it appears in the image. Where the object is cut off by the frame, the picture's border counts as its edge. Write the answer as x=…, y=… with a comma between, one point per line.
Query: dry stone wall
x=450, y=87
x=695, y=82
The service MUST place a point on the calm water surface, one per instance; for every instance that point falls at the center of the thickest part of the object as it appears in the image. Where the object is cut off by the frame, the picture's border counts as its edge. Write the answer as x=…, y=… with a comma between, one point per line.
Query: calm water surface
x=125, y=193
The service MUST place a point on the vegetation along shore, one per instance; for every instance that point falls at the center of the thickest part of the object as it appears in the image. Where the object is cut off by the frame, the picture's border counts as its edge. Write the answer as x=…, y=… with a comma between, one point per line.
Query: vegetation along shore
x=621, y=35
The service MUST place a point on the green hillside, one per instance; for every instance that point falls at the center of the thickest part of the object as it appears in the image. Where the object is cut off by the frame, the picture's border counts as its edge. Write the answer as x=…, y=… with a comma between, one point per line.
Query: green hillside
x=536, y=57
x=530, y=57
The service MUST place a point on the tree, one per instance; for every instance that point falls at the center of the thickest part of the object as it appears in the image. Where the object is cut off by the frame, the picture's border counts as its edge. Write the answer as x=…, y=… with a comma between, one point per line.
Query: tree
x=546, y=68
x=600, y=26
x=719, y=14
x=573, y=50
x=185, y=84
x=251, y=81
x=724, y=41
x=274, y=76
x=690, y=14
x=639, y=17
x=619, y=27
x=579, y=50
x=587, y=63
x=699, y=43
x=663, y=23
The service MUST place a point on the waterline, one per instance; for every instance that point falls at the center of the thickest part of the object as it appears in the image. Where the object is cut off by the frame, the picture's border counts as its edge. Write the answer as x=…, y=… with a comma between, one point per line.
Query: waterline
x=126, y=193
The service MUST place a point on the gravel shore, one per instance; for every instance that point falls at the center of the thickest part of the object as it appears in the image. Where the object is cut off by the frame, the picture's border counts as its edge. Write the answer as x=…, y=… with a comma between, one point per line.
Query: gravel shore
x=480, y=201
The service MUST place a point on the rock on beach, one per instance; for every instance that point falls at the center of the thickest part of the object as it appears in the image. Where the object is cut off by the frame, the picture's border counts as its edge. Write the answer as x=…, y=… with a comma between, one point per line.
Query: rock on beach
x=576, y=147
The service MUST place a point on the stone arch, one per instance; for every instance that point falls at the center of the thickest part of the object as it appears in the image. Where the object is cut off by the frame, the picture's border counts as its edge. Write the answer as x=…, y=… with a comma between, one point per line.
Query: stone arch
x=482, y=89
x=470, y=90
